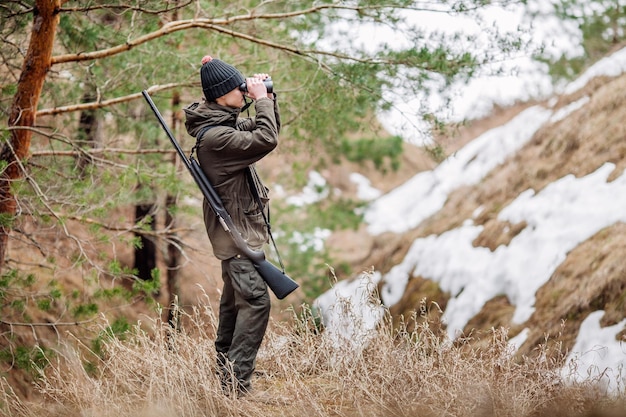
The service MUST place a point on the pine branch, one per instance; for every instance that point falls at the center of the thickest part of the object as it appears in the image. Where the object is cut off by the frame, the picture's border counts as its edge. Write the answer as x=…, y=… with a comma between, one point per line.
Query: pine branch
x=105, y=103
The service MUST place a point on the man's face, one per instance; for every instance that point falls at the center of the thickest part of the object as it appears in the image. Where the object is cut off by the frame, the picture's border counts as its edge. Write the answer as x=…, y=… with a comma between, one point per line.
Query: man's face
x=233, y=98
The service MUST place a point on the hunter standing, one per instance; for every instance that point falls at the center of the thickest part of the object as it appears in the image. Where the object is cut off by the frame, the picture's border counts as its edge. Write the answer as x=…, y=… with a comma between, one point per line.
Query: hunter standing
x=227, y=148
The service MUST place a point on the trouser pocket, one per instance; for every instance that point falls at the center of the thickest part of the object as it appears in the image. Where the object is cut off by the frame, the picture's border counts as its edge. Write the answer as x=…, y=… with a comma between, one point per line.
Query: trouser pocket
x=246, y=280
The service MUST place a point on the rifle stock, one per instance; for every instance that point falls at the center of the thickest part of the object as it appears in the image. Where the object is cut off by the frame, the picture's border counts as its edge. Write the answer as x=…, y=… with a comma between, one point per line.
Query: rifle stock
x=279, y=282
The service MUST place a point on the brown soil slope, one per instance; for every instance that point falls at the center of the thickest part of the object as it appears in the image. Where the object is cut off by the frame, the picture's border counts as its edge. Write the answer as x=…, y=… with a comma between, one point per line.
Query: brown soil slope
x=593, y=276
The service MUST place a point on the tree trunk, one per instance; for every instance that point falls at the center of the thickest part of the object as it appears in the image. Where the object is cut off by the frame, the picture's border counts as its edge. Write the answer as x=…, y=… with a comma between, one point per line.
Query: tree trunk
x=23, y=110
x=88, y=130
x=145, y=254
x=173, y=243
x=173, y=264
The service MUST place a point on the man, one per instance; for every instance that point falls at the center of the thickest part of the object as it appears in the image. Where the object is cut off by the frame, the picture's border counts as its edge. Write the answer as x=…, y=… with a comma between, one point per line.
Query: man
x=227, y=147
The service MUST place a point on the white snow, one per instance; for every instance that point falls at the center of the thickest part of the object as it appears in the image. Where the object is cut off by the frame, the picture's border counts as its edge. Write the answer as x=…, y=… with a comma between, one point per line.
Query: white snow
x=365, y=191
x=561, y=216
x=429, y=190
x=597, y=355
x=315, y=190
x=609, y=66
x=350, y=313
x=311, y=241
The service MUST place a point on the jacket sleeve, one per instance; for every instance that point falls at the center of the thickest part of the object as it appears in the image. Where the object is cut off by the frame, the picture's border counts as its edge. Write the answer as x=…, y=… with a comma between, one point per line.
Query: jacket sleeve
x=277, y=113
x=239, y=148
x=249, y=123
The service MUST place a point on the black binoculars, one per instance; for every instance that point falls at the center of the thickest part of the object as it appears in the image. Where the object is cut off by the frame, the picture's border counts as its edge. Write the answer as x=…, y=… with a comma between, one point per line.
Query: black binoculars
x=268, y=84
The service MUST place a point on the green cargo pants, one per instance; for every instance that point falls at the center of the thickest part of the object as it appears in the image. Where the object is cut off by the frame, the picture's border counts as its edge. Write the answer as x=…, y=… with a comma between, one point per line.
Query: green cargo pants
x=244, y=314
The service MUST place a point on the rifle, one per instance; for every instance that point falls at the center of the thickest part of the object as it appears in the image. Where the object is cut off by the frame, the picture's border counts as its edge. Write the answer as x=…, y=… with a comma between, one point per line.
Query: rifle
x=279, y=282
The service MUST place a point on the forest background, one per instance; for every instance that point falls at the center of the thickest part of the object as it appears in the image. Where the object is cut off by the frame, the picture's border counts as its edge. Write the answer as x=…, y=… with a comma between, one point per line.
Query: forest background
x=95, y=208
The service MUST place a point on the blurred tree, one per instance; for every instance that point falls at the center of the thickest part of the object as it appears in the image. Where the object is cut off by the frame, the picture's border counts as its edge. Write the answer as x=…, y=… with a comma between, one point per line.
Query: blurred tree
x=600, y=25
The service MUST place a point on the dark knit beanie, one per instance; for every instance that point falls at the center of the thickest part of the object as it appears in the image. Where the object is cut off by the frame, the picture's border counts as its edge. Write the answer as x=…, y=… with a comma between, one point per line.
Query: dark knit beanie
x=218, y=78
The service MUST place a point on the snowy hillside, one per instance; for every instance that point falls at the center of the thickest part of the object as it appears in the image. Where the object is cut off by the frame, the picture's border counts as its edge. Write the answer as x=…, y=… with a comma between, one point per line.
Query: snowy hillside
x=557, y=218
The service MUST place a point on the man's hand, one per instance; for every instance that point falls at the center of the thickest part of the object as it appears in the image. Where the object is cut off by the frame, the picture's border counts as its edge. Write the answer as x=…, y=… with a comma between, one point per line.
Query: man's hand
x=256, y=88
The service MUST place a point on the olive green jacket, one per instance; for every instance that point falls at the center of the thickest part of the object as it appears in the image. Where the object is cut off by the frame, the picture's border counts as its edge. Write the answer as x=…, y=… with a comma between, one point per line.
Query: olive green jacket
x=227, y=146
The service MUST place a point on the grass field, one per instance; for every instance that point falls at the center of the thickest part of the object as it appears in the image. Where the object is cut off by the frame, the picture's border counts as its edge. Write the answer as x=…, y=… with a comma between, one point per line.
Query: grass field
x=154, y=372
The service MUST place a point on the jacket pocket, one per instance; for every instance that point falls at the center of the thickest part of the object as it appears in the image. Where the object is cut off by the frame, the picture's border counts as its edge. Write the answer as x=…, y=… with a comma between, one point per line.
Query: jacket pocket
x=251, y=207
x=246, y=279
x=254, y=230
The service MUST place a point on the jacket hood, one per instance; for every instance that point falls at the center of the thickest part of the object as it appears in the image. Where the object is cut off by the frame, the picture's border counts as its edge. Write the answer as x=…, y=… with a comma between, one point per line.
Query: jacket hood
x=200, y=115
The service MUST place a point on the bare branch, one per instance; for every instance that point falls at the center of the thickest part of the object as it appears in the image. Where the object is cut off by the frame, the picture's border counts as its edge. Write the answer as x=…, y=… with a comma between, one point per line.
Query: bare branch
x=70, y=323
x=179, y=25
x=295, y=51
x=75, y=323
x=105, y=103
x=98, y=151
x=131, y=228
x=26, y=9
x=125, y=7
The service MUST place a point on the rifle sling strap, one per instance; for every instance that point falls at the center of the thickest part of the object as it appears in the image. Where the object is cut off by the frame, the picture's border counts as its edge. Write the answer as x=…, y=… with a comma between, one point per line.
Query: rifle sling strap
x=199, y=135
x=255, y=193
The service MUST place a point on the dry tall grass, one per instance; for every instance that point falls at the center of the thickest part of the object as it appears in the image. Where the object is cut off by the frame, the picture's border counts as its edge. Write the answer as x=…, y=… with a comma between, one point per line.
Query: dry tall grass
x=303, y=372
